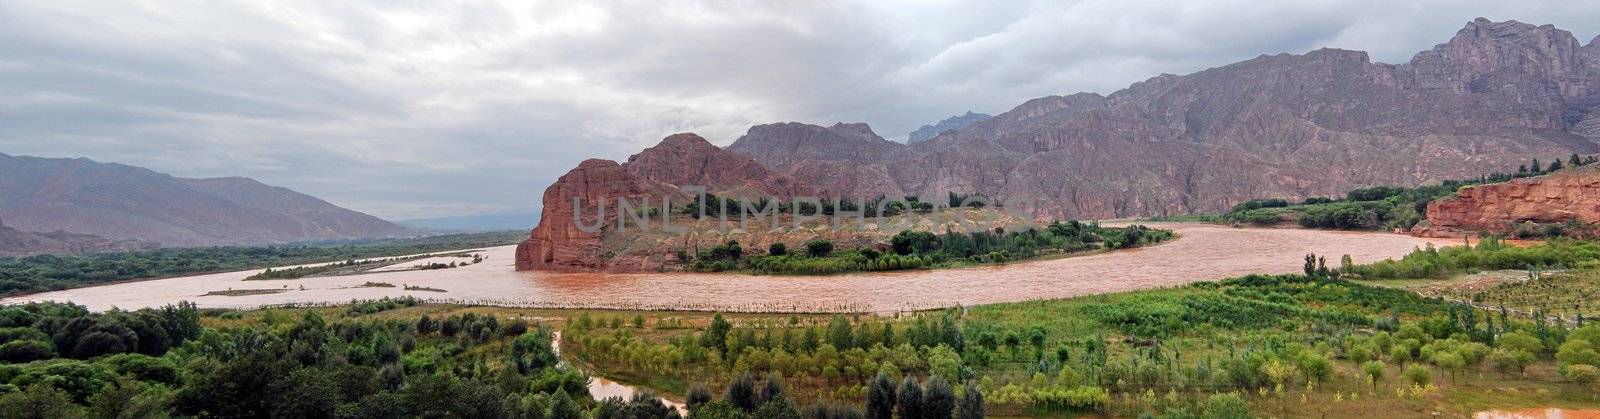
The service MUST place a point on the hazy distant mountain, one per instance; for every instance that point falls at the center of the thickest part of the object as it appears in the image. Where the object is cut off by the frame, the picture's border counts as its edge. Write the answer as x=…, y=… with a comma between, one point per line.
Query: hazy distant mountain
x=951, y=123
x=122, y=202
x=472, y=223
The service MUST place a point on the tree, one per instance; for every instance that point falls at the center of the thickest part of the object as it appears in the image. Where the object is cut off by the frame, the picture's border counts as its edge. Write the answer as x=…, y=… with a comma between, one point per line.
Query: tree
x=716, y=335
x=819, y=248
x=1583, y=374
x=971, y=403
x=880, y=398
x=1374, y=371
x=532, y=352
x=939, y=402
x=1226, y=406
x=742, y=392
x=910, y=398
x=38, y=401
x=1575, y=161
x=698, y=395
x=777, y=408
x=1418, y=374
x=777, y=249
x=562, y=406
x=719, y=409
x=22, y=351
x=772, y=389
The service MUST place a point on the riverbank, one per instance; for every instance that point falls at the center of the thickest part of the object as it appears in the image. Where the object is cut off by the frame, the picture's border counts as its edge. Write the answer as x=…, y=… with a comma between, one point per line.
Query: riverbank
x=1203, y=252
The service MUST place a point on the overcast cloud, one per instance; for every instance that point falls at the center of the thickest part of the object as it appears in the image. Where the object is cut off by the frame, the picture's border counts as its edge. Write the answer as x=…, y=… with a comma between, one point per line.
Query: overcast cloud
x=414, y=109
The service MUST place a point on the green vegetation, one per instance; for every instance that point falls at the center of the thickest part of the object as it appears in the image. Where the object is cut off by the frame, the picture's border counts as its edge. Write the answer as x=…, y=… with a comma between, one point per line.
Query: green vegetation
x=1284, y=345
x=1303, y=345
x=54, y=272
x=1381, y=207
x=1377, y=208
x=64, y=362
x=1488, y=254
x=922, y=249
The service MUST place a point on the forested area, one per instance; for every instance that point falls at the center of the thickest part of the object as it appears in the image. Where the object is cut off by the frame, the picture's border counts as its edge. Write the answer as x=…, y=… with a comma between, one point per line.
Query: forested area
x=61, y=361
x=914, y=249
x=54, y=272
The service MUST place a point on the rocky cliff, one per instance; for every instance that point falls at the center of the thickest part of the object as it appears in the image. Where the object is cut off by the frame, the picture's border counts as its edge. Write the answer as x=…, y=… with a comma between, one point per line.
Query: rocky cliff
x=1566, y=195
x=658, y=172
x=783, y=145
x=1318, y=124
x=1495, y=95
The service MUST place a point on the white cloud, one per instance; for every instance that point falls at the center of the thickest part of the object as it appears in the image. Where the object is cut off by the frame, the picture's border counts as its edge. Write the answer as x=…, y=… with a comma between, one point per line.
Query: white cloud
x=412, y=109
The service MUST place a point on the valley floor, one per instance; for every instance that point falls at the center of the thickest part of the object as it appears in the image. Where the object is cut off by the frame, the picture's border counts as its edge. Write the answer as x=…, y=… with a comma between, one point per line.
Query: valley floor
x=1203, y=252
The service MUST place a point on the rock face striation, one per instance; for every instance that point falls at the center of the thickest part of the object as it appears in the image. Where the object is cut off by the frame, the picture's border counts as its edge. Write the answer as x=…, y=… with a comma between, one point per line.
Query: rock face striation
x=780, y=146
x=558, y=243
x=1292, y=126
x=1277, y=126
x=1566, y=195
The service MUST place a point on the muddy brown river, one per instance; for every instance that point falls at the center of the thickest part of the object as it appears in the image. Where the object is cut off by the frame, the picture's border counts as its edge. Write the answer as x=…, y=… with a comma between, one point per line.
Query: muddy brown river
x=1204, y=252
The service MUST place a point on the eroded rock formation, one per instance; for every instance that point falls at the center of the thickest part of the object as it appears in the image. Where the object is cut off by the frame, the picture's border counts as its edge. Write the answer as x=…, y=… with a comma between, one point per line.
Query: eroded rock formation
x=1291, y=126
x=1566, y=195
x=1277, y=126
x=658, y=172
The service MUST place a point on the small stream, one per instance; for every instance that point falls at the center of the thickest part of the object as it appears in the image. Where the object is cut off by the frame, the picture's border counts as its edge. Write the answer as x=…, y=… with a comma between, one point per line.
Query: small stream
x=601, y=388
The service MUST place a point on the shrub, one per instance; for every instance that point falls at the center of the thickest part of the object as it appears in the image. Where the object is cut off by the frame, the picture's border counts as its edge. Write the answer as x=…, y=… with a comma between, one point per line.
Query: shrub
x=1226, y=406
x=819, y=248
x=1419, y=374
x=25, y=351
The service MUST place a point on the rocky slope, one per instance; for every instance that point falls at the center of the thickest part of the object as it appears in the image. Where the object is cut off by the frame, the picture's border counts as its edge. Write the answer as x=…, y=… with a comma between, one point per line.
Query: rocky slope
x=927, y=132
x=1322, y=123
x=1319, y=124
x=18, y=243
x=783, y=145
x=123, y=202
x=1566, y=195
x=658, y=172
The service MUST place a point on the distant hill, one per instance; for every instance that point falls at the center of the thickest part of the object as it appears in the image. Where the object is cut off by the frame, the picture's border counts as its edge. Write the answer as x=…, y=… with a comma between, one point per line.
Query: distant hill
x=121, y=202
x=473, y=223
x=18, y=243
x=927, y=132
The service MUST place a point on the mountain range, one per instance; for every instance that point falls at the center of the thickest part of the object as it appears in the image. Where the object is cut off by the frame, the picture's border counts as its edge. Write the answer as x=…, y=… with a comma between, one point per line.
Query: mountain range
x=126, y=203
x=1495, y=95
x=927, y=132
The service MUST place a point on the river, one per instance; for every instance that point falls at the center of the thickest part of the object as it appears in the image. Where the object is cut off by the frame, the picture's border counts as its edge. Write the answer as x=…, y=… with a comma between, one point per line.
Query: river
x=1204, y=252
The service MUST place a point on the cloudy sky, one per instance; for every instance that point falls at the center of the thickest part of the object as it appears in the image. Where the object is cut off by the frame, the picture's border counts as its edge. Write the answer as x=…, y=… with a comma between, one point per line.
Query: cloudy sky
x=408, y=109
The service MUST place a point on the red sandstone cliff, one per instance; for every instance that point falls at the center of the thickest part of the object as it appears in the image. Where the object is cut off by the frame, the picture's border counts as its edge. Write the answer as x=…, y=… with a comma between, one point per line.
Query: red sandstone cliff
x=557, y=243
x=1566, y=195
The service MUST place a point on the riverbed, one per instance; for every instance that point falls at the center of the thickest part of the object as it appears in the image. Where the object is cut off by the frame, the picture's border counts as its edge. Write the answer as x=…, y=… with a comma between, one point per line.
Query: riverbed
x=1204, y=252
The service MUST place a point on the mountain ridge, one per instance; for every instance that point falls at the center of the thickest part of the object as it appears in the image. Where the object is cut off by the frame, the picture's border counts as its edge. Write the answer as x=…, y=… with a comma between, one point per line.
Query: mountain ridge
x=123, y=202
